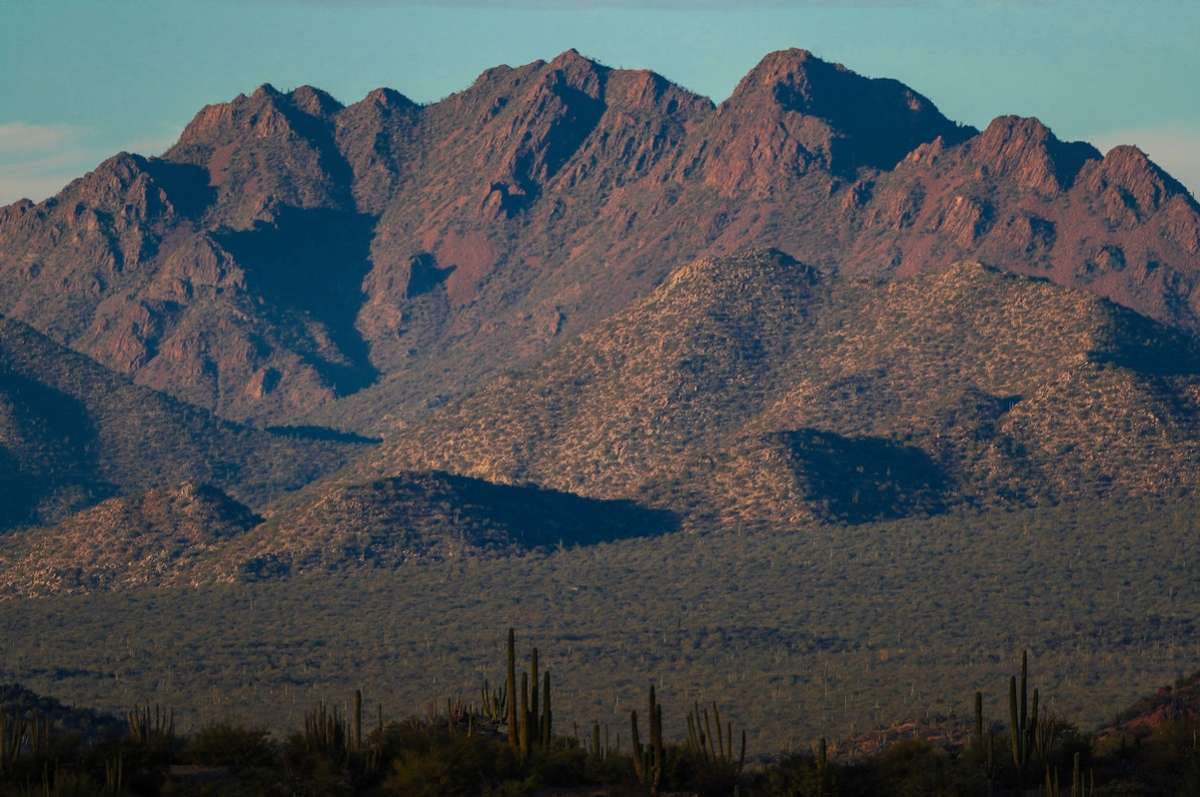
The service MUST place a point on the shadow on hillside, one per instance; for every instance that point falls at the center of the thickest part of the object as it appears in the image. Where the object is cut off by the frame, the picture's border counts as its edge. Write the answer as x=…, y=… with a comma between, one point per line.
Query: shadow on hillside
x=432, y=515
x=1147, y=347
x=864, y=479
x=187, y=185
x=322, y=433
x=313, y=262
x=538, y=517
x=47, y=449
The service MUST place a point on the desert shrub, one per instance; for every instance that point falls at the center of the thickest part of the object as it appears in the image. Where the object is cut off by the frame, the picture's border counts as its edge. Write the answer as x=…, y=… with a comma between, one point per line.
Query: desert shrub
x=1189, y=781
x=451, y=766
x=797, y=775
x=688, y=770
x=560, y=766
x=313, y=773
x=915, y=768
x=228, y=744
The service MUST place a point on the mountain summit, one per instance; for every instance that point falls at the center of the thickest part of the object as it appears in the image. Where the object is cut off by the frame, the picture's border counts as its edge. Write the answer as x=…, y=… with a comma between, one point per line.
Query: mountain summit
x=293, y=259
x=794, y=110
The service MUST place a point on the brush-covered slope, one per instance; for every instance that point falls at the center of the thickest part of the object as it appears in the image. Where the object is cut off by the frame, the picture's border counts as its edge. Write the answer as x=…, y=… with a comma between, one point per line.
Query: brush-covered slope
x=291, y=256
x=426, y=516
x=73, y=433
x=750, y=388
x=194, y=534
x=151, y=539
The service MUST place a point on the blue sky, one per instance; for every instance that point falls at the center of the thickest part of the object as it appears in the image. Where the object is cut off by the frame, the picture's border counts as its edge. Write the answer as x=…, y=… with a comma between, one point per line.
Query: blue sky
x=83, y=79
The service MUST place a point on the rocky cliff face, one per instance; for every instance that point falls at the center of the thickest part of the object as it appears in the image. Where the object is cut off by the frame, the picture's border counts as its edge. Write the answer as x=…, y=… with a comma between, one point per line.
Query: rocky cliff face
x=290, y=258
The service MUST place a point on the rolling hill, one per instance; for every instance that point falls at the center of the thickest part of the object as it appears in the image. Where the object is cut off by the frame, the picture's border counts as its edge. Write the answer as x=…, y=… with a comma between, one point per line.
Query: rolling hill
x=148, y=540
x=191, y=535
x=749, y=391
x=73, y=433
x=753, y=389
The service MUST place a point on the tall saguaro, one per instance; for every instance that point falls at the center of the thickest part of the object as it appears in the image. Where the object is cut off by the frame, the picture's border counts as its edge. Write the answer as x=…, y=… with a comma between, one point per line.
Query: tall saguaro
x=511, y=686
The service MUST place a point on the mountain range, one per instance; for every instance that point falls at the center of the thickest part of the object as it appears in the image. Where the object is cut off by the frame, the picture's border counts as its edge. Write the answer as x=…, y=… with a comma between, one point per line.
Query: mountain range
x=574, y=303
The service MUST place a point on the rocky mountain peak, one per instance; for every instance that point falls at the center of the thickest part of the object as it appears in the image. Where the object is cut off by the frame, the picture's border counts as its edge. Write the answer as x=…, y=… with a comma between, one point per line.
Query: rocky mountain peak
x=384, y=97
x=574, y=60
x=1141, y=183
x=794, y=111
x=265, y=90
x=10, y=213
x=646, y=91
x=314, y=102
x=571, y=71
x=545, y=197
x=780, y=66
x=1026, y=150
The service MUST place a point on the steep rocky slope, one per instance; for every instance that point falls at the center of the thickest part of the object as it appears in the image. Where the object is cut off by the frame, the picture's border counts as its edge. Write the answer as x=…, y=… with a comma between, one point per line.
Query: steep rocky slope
x=293, y=258
x=73, y=433
x=754, y=389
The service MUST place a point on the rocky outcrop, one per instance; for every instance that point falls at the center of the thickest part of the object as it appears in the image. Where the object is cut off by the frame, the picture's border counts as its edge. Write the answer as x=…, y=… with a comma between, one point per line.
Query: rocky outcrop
x=794, y=112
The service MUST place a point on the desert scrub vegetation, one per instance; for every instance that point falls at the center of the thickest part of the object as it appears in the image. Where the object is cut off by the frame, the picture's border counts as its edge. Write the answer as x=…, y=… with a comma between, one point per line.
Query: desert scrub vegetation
x=809, y=632
x=504, y=746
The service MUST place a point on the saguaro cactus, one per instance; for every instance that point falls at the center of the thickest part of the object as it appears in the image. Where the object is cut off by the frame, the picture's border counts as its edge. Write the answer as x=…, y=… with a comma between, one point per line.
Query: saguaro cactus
x=1023, y=723
x=547, y=724
x=12, y=738
x=151, y=726
x=326, y=732
x=493, y=702
x=648, y=762
x=530, y=717
x=715, y=749
x=534, y=686
x=978, y=739
x=523, y=729
x=357, y=736
x=1053, y=787
x=510, y=689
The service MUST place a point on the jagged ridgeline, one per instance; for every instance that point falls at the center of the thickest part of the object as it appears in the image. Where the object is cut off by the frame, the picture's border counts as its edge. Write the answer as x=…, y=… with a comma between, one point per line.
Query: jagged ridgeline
x=593, y=292
x=291, y=257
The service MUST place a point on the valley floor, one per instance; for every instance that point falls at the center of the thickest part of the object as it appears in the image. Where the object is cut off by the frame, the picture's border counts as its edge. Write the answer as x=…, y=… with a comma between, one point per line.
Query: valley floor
x=823, y=631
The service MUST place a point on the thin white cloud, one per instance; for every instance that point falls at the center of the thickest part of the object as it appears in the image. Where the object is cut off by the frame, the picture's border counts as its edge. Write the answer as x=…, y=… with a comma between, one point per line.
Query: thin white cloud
x=152, y=145
x=15, y=187
x=20, y=139
x=1176, y=148
x=39, y=178
x=37, y=161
